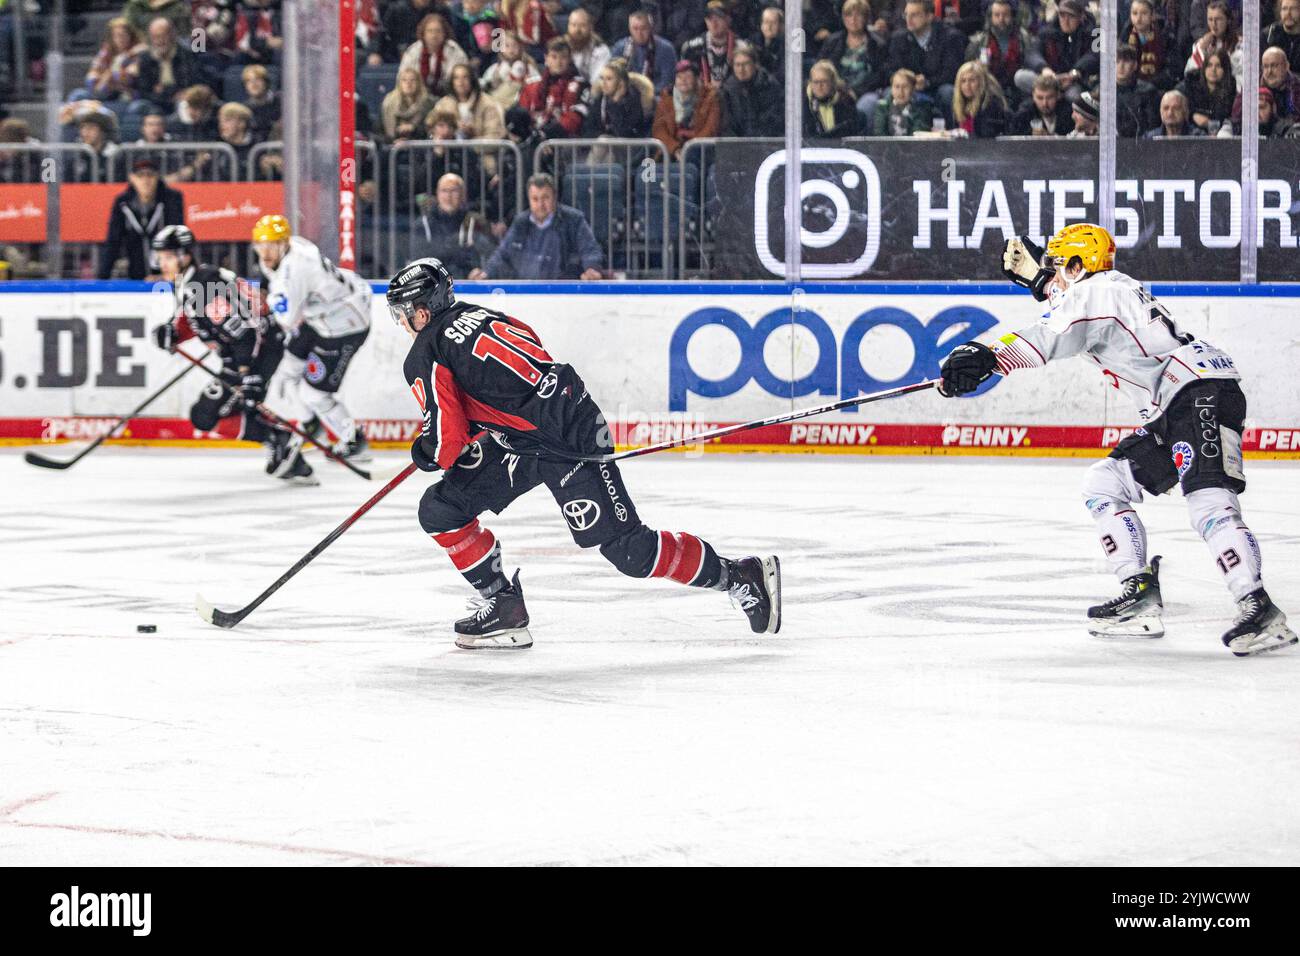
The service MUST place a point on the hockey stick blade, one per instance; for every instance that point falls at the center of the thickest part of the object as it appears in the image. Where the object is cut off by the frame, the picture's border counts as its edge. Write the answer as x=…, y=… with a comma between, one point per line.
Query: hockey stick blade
x=214, y=615
x=40, y=462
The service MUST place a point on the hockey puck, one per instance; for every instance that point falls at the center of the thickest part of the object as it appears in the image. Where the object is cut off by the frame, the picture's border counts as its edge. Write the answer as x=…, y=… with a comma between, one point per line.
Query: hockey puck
x=146, y=628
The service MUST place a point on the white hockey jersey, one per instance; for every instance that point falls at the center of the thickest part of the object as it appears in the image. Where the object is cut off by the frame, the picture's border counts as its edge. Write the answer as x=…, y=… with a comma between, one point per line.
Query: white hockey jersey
x=307, y=287
x=1136, y=344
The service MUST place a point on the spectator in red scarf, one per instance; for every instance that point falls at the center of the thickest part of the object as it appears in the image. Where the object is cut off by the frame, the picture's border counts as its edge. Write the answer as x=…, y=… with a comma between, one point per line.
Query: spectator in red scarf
x=529, y=20
x=433, y=53
x=1156, y=54
x=1004, y=47
x=712, y=50
x=558, y=101
x=259, y=35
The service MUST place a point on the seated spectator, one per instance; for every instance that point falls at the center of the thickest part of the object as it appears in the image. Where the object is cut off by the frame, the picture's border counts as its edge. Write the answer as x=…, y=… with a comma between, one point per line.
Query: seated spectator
x=1086, y=113
x=688, y=111
x=1221, y=37
x=769, y=43
x=1006, y=48
x=964, y=16
x=514, y=69
x=1211, y=92
x=819, y=22
x=108, y=77
x=153, y=132
x=139, y=213
x=931, y=49
x=1137, y=102
x=235, y=122
x=478, y=115
x=549, y=241
x=430, y=166
x=97, y=129
x=259, y=34
x=903, y=112
x=1271, y=125
x=1156, y=63
x=474, y=26
x=829, y=110
x=1175, y=122
x=1045, y=113
x=161, y=72
x=752, y=102
x=858, y=56
x=978, y=108
x=434, y=53
x=590, y=54
x=617, y=110
x=530, y=21
x=558, y=100
x=261, y=99
x=647, y=54
x=399, y=29
x=140, y=13
x=1275, y=73
x=195, y=119
x=1284, y=33
x=711, y=51
x=18, y=167
x=1066, y=47
x=461, y=239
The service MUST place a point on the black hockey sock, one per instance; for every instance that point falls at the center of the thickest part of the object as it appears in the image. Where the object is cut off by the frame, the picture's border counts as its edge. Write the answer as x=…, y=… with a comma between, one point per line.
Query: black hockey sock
x=475, y=552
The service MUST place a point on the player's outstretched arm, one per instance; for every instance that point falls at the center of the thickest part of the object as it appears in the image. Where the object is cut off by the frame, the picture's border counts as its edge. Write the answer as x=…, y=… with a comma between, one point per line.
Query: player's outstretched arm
x=1022, y=263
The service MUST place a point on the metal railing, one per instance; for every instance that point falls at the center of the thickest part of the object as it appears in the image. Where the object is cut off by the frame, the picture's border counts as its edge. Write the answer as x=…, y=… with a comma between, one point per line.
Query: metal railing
x=699, y=201
x=54, y=164
x=622, y=187
x=494, y=183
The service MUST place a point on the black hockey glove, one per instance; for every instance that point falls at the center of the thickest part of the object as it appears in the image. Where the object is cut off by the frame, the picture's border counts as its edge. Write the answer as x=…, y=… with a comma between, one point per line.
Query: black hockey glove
x=253, y=386
x=421, y=455
x=164, y=337
x=966, y=368
x=1022, y=263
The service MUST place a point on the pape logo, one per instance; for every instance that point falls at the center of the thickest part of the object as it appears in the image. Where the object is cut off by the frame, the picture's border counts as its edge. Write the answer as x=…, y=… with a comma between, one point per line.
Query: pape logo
x=838, y=367
x=75, y=909
x=839, y=200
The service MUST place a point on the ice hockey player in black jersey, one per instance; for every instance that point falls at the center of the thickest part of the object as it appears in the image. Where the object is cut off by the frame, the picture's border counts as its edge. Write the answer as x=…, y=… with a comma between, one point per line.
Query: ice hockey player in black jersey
x=215, y=305
x=499, y=417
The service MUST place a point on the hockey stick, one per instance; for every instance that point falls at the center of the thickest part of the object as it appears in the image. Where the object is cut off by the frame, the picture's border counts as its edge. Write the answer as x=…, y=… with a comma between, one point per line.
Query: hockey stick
x=40, y=461
x=271, y=416
x=229, y=619
x=549, y=452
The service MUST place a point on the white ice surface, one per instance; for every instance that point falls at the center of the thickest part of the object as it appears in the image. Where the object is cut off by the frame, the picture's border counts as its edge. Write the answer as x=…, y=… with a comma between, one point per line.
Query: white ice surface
x=932, y=697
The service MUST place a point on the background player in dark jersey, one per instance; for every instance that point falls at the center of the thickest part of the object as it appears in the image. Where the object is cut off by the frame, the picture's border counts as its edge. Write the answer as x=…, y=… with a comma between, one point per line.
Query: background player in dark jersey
x=476, y=371
x=218, y=308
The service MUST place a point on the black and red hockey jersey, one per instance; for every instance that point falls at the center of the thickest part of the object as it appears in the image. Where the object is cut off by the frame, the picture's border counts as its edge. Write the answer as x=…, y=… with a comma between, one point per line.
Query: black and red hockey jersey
x=474, y=369
x=557, y=103
x=222, y=311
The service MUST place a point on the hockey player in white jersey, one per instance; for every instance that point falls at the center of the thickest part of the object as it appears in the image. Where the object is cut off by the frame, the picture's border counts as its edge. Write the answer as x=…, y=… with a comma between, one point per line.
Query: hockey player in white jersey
x=1192, y=413
x=324, y=312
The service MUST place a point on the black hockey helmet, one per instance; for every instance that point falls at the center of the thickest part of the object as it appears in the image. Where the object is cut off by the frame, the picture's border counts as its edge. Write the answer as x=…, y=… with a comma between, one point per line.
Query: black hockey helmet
x=423, y=283
x=174, y=239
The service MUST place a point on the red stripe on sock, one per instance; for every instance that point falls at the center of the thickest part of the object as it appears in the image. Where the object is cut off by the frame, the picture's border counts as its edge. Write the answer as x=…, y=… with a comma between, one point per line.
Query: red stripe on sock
x=467, y=546
x=667, y=554
x=689, y=556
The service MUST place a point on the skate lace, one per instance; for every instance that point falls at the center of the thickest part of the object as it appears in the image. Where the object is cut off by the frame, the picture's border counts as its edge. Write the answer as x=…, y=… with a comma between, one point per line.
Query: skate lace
x=482, y=607
x=743, y=597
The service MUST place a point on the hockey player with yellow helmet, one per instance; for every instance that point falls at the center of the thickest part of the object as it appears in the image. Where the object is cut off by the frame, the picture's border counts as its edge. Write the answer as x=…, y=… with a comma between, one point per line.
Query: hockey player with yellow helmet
x=324, y=312
x=1192, y=411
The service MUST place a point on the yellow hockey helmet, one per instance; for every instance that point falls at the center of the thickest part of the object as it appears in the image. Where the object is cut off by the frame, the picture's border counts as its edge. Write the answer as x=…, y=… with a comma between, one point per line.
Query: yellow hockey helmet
x=1094, y=246
x=273, y=228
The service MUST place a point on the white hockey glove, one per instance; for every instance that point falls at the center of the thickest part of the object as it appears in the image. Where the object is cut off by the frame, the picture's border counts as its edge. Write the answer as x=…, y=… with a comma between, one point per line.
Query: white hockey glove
x=1022, y=264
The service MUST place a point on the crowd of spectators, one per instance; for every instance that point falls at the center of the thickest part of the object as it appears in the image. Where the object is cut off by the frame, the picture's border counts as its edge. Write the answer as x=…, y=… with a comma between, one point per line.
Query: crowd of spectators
x=528, y=71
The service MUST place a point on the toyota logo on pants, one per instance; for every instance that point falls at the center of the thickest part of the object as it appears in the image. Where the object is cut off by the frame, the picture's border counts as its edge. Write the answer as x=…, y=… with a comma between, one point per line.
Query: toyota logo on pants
x=581, y=513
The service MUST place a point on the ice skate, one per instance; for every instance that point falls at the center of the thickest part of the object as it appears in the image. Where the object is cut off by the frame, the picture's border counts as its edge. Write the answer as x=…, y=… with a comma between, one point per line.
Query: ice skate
x=356, y=449
x=1136, y=612
x=755, y=586
x=299, y=472
x=1260, y=627
x=500, y=621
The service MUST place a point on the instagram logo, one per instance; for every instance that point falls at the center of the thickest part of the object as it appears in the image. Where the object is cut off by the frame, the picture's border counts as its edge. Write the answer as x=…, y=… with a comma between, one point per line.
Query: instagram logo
x=839, y=200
